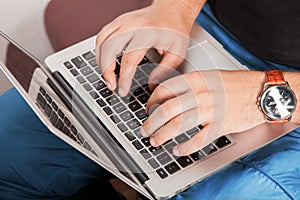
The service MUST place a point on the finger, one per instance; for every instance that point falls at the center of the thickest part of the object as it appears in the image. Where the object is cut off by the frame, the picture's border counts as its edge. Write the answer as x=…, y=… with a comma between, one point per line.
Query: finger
x=167, y=111
x=168, y=89
x=108, y=53
x=165, y=69
x=197, y=142
x=178, y=125
x=133, y=55
x=107, y=30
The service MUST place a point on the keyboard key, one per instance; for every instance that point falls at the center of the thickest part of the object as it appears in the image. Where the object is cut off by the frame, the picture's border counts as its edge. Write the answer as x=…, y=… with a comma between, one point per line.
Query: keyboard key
x=59, y=124
x=87, y=146
x=88, y=55
x=74, y=72
x=143, y=98
x=153, y=163
x=138, y=91
x=93, y=78
x=94, y=94
x=99, y=85
x=172, y=168
x=80, y=138
x=42, y=91
x=156, y=150
x=87, y=87
x=80, y=79
x=119, y=107
x=163, y=158
x=145, y=154
x=100, y=102
x=105, y=92
x=181, y=138
x=115, y=119
x=129, y=136
x=147, y=68
x=184, y=161
x=66, y=131
x=137, y=145
x=93, y=62
x=197, y=155
x=222, y=142
x=209, y=149
x=48, y=98
x=67, y=122
x=133, y=124
x=193, y=131
x=60, y=114
x=107, y=110
x=78, y=62
x=169, y=147
x=126, y=116
x=41, y=101
x=68, y=65
x=112, y=100
x=141, y=114
x=139, y=74
x=53, y=118
x=73, y=129
x=134, y=106
x=122, y=127
x=146, y=142
x=162, y=173
x=128, y=98
x=86, y=71
x=48, y=110
x=137, y=132
x=54, y=106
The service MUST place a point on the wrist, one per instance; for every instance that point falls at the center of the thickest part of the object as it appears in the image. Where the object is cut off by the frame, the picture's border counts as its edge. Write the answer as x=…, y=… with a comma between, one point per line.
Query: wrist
x=293, y=79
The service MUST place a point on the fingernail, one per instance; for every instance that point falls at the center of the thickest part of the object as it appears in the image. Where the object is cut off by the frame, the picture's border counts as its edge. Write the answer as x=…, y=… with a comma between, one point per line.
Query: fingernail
x=176, y=151
x=121, y=92
x=108, y=85
x=152, y=141
x=143, y=132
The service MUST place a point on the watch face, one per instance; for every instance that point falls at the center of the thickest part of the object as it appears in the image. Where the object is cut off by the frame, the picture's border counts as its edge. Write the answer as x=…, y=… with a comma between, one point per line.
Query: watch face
x=278, y=102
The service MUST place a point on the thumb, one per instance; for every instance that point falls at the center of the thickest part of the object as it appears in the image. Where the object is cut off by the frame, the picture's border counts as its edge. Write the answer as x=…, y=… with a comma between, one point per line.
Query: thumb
x=165, y=69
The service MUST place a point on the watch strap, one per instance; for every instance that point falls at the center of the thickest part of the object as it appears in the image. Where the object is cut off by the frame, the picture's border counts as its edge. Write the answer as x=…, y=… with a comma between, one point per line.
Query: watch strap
x=274, y=77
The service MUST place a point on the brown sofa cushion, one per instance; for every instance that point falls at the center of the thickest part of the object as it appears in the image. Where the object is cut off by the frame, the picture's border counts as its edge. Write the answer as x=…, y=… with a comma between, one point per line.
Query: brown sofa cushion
x=70, y=21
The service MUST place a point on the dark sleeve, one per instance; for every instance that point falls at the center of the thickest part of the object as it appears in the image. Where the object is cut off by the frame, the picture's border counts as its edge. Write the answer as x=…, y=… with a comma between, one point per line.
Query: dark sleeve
x=268, y=28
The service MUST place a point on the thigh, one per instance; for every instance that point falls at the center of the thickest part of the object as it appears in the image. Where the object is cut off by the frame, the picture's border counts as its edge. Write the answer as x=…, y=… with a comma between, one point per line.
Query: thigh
x=34, y=162
x=271, y=172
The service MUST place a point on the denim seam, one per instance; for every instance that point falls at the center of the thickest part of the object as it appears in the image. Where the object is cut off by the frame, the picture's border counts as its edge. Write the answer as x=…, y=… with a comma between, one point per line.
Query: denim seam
x=251, y=165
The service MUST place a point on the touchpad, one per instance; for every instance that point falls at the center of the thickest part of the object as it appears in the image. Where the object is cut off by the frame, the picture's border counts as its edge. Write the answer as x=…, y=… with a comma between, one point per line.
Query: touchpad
x=205, y=56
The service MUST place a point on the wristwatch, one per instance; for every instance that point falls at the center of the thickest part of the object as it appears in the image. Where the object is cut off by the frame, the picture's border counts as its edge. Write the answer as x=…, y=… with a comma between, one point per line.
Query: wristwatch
x=277, y=100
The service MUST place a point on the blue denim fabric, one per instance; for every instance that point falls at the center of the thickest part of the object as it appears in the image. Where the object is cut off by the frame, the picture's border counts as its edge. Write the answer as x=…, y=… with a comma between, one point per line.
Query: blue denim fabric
x=34, y=163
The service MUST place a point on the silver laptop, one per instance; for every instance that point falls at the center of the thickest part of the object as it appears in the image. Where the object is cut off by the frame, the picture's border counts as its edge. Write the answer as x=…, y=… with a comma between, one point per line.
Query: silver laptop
x=70, y=97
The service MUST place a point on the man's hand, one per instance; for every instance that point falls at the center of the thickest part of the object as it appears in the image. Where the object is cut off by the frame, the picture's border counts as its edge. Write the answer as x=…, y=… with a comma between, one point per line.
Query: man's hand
x=221, y=101
x=165, y=25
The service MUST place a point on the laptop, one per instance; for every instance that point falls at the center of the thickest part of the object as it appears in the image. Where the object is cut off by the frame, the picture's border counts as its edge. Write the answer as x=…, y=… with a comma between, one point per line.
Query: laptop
x=69, y=95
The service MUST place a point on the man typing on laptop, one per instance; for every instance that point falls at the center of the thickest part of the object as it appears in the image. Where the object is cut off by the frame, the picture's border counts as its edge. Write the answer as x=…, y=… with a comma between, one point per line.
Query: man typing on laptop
x=189, y=100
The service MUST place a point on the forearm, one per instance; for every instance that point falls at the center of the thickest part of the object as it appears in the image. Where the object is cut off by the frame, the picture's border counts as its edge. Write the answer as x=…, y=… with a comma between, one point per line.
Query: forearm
x=293, y=79
x=188, y=8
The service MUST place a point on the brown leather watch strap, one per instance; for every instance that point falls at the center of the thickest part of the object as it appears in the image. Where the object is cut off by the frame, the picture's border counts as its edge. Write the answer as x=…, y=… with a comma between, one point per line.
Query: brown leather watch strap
x=274, y=77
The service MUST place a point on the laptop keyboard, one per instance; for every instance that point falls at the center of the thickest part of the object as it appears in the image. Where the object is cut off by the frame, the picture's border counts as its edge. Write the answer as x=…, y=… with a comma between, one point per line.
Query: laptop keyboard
x=59, y=119
x=128, y=113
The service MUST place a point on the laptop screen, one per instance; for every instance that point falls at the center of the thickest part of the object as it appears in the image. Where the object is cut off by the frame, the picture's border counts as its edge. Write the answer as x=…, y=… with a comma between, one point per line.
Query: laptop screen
x=17, y=62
